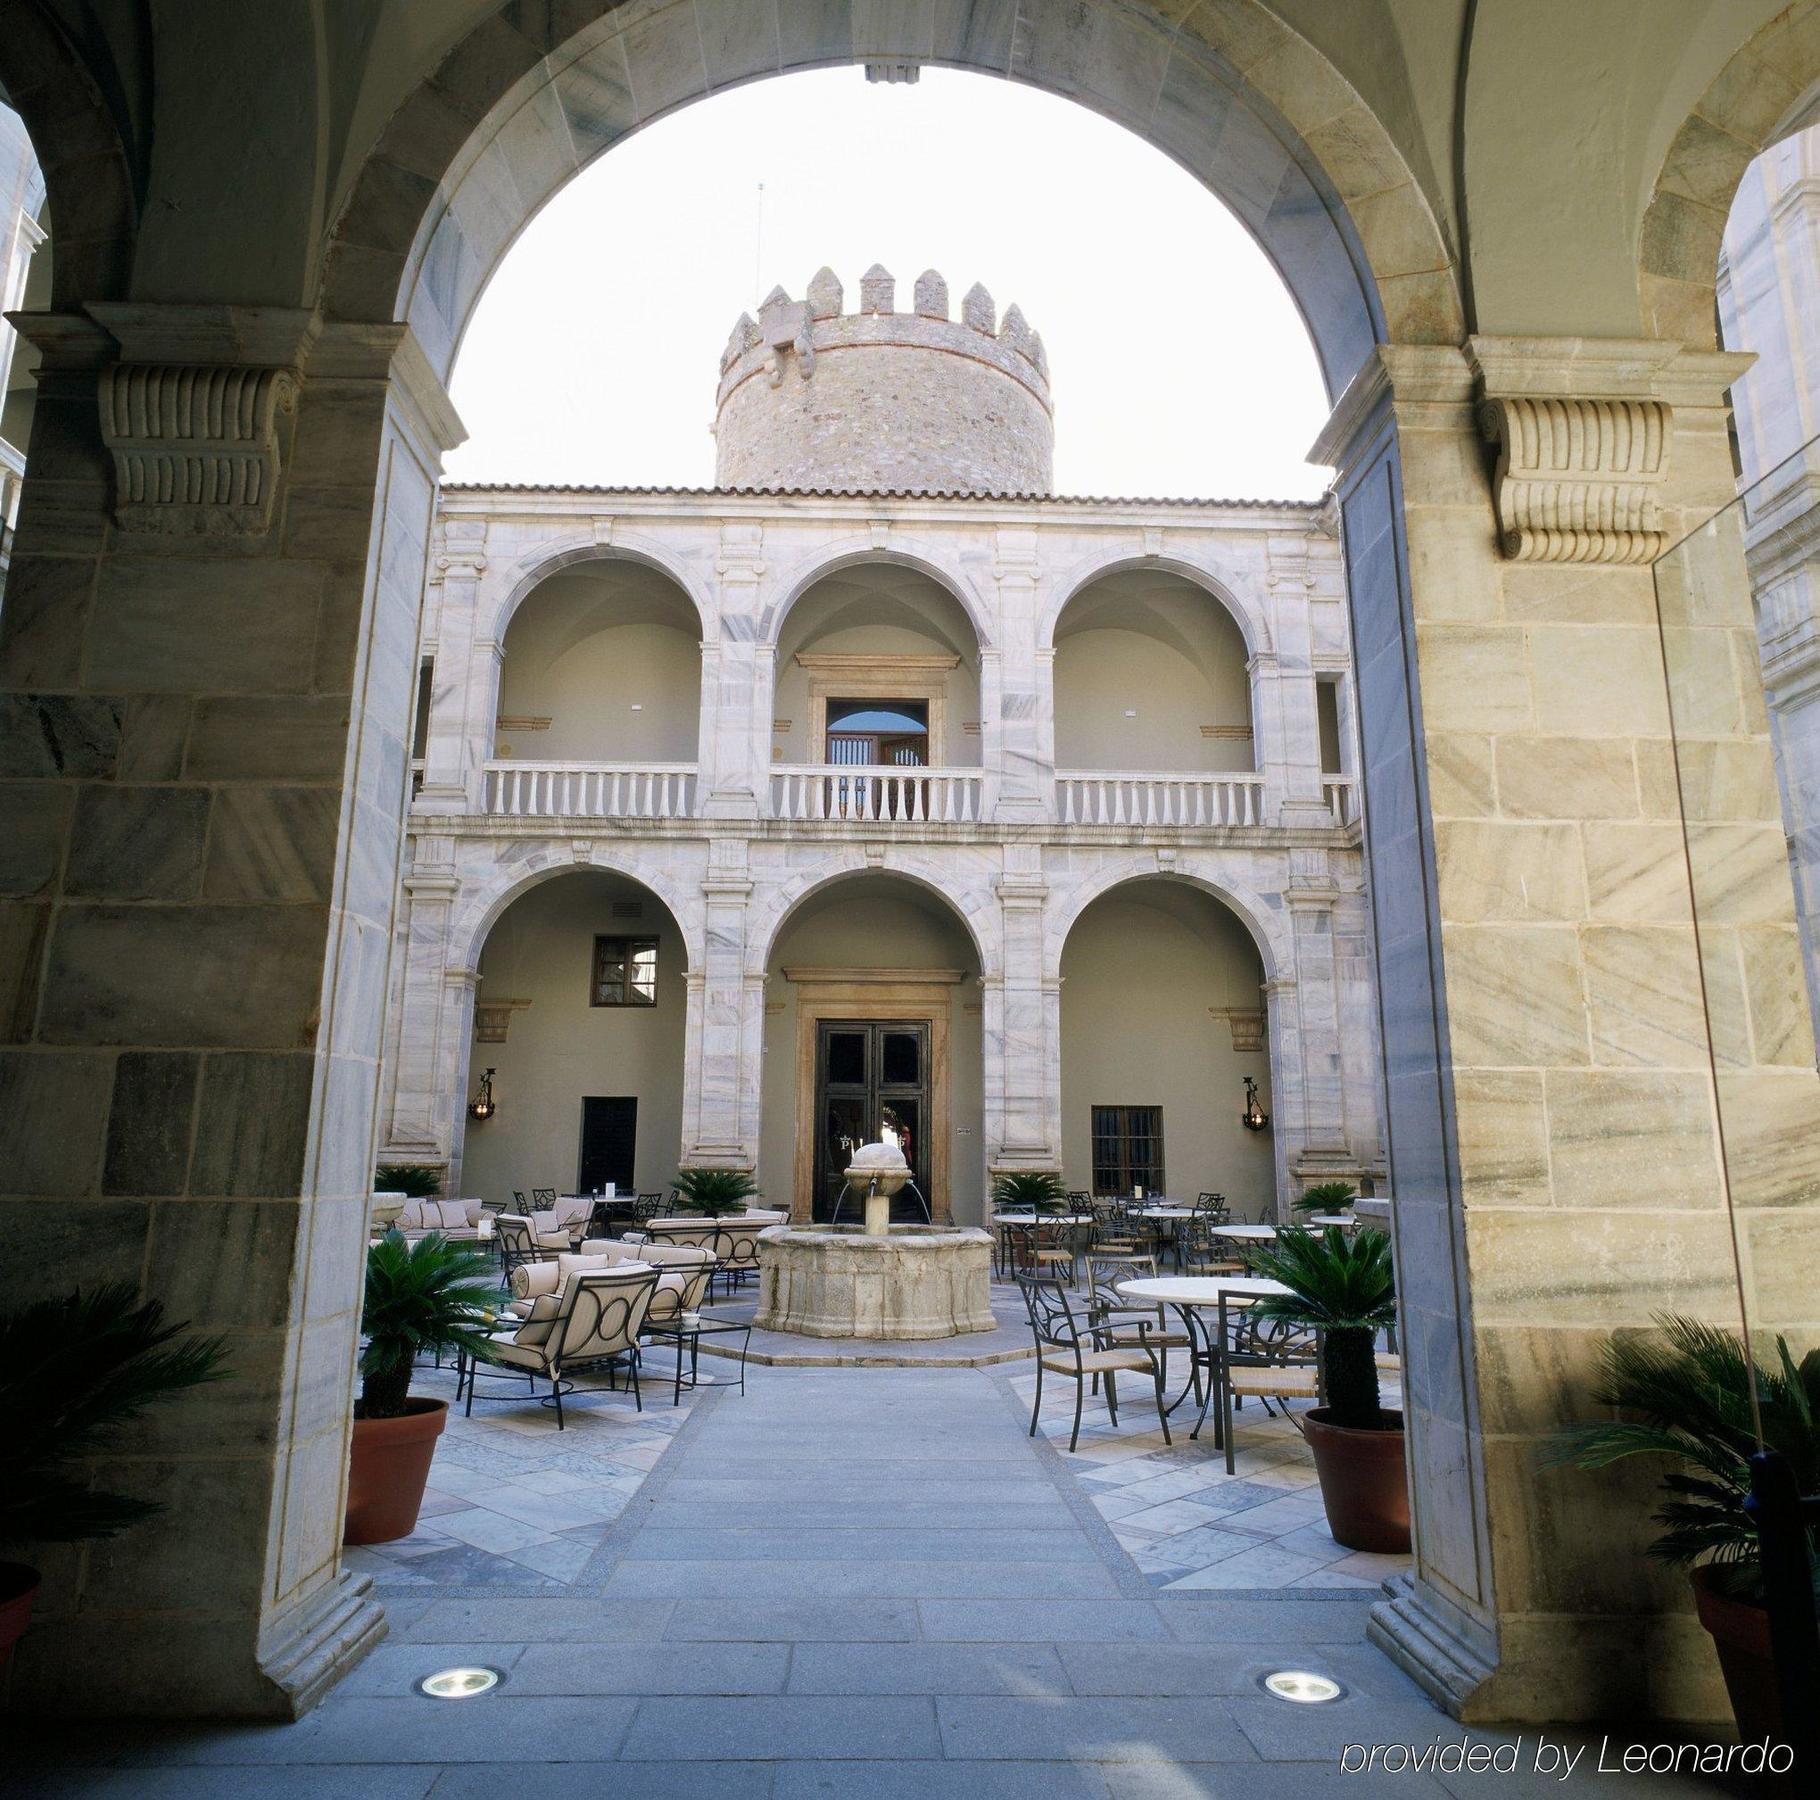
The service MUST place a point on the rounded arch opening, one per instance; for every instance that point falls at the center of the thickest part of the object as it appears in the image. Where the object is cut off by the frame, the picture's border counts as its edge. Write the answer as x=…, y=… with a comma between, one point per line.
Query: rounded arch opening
x=1163, y=1018
x=1152, y=671
x=868, y=641
x=600, y=662
x=573, y=97
x=873, y=1014
x=580, y=1008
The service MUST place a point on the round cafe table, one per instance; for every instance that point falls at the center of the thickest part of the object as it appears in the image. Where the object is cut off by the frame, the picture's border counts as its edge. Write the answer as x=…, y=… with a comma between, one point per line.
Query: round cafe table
x=1007, y=1220
x=1344, y=1220
x=1190, y=1295
x=1246, y=1234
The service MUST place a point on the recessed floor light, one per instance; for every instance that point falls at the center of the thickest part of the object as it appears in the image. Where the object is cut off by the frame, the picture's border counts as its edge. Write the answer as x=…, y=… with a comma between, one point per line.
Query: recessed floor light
x=1301, y=1686
x=459, y=1684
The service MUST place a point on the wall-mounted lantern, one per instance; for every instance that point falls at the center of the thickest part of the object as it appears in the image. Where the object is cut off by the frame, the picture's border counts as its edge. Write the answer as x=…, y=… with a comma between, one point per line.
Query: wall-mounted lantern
x=1254, y=1117
x=483, y=1106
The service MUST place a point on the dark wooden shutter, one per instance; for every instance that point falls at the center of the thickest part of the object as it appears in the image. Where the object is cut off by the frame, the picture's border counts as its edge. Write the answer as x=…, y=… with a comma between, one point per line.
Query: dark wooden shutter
x=609, y=1143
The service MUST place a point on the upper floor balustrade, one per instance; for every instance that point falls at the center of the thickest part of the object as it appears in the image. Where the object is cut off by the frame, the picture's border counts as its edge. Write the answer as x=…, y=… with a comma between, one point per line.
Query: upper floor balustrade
x=826, y=793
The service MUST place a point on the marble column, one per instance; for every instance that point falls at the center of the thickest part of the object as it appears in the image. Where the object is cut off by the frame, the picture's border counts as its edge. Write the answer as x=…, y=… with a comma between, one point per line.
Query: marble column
x=735, y=747
x=206, y=674
x=1549, y=1062
x=718, y=1074
x=1021, y=1058
x=1025, y=765
x=416, y=1056
x=464, y=688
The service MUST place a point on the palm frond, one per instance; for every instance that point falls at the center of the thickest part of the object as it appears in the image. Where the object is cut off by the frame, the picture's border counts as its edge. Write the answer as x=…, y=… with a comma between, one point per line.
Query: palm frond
x=1336, y=1281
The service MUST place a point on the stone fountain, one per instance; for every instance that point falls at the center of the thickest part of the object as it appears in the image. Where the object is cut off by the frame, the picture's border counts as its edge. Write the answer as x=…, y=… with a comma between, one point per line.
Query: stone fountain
x=877, y=1280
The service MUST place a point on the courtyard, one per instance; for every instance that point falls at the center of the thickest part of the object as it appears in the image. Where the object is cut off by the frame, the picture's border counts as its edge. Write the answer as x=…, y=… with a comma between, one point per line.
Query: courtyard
x=848, y=1580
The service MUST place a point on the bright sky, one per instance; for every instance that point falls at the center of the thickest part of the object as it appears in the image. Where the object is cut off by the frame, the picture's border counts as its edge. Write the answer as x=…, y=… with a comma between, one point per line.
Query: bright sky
x=1180, y=366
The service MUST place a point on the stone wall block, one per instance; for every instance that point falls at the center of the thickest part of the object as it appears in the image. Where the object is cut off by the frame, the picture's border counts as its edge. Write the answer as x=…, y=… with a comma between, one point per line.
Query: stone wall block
x=1502, y=1122
x=48, y=737
x=171, y=623
x=1566, y=777
x=1643, y=990
x=1778, y=1246
x=53, y=1113
x=150, y=1122
x=154, y=730
x=1596, y=680
x=1461, y=784
x=1474, y=678
x=252, y=1123
x=1637, y=872
x=32, y=843
x=254, y=738
x=1493, y=871
x=1632, y=1139
x=124, y=975
x=269, y=843
x=1740, y=874
x=1515, y=996
x=1772, y=1150
x=42, y=623
x=1781, y=1023
x=23, y=930
x=1546, y=1268
x=137, y=843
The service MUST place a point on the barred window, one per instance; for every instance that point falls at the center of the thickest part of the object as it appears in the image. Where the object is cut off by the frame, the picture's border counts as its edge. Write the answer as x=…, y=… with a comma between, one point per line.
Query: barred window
x=625, y=972
x=1127, y=1149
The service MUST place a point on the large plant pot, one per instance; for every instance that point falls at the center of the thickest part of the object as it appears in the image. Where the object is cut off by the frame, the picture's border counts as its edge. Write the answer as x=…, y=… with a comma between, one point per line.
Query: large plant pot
x=388, y=1469
x=1363, y=1485
x=1740, y=1633
x=18, y=1589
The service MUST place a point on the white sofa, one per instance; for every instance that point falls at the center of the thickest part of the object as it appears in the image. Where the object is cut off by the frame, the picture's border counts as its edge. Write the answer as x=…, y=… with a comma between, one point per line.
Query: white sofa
x=457, y=1219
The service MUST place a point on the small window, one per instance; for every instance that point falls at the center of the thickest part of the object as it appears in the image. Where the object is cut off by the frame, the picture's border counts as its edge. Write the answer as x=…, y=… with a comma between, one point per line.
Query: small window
x=1327, y=718
x=625, y=972
x=1128, y=1149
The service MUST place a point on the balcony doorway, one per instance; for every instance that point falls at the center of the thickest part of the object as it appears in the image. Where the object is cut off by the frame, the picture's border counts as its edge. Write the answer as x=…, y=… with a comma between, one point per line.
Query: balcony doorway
x=878, y=733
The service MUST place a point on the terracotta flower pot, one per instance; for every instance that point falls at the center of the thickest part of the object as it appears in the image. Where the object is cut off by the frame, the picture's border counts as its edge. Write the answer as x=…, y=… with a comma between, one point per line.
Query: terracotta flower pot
x=387, y=1470
x=18, y=1589
x=1363, y=1485
x=1740, y=1633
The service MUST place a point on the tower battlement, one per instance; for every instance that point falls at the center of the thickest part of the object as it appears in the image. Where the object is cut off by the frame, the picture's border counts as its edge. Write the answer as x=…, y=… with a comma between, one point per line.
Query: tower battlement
x=814, y=396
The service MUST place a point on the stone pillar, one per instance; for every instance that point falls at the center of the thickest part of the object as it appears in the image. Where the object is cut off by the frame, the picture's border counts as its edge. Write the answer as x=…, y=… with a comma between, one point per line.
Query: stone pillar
x=1021, y=1059
x=206, y=670
x=417, y=1071
x=717, y=1074
x=464, y=687
x=735, y=780
x=1025, y=767
x=453, y=1067
x=1554, y=1161
x=1314, y=1144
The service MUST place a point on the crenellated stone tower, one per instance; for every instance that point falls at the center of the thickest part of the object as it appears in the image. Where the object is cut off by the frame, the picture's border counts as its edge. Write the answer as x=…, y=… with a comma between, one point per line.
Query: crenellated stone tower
x=812, y=396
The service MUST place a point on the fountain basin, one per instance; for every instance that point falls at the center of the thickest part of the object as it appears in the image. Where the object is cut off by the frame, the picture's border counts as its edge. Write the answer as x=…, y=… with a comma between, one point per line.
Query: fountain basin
x=913, y=1281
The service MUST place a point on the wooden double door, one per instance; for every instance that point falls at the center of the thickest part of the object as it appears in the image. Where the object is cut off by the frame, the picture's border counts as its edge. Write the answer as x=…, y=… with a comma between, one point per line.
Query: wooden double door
x=870, y=1075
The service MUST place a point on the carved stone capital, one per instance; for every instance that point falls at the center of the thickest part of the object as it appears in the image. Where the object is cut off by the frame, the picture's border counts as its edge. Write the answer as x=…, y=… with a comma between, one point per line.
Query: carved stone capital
x=1577, y=479
x=195, y=447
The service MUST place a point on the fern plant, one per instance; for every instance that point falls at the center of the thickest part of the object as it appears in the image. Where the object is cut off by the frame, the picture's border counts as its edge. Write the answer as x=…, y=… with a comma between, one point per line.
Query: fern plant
x=74, y=1373
x=715, y=1192
x=427, y=1295
x=1344, y=1287
x=1029, y=1190
x=416, y=1181
x=1687, y=1392
x=1324, y=1196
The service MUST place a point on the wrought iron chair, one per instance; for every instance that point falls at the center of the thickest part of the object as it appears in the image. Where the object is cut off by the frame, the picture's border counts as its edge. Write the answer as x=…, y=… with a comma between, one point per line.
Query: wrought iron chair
x=1131, y=1324
x=1071, y=1346
x=517, y=1240
x=1113, y=1233
x=1266, y=1358
x=646, y=1208
x=593, y=1322
x=542, y=1199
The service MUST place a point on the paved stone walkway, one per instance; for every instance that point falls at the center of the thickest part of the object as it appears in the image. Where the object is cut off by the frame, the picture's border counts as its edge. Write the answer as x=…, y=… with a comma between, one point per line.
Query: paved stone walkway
x=849, y=1582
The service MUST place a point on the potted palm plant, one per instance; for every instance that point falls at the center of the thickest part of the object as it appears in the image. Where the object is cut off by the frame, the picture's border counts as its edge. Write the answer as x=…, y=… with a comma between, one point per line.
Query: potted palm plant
x=416, y=1181
x=427, y=1295
x=74, y=1373
x=715, y=1192
x=1029, y=1190
x=1686, y=1395
x=1345, y=1288
x=1325, y=1197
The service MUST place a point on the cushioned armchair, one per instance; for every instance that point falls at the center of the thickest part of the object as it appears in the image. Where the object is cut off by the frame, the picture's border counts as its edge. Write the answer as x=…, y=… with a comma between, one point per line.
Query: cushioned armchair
x=592, y=1320
x=682, y=1275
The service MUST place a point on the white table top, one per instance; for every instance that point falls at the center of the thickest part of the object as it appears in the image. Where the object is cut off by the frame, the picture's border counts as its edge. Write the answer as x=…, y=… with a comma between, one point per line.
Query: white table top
x=1198, y=1290
x=1257, y=1234
x=1024, y=1218
x=1164, y=1212
x=1330, y=1219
